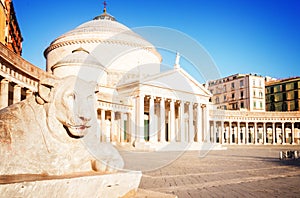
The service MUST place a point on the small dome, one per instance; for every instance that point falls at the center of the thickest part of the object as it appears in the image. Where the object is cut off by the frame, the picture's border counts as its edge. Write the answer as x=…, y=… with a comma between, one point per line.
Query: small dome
x=79, y=56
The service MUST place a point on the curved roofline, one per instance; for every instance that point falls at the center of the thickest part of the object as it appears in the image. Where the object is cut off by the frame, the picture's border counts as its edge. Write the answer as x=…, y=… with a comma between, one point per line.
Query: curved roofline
x=81, y=41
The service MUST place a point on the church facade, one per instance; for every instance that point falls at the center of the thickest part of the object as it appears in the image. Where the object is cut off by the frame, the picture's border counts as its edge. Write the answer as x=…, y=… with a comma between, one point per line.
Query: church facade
x=137, y=102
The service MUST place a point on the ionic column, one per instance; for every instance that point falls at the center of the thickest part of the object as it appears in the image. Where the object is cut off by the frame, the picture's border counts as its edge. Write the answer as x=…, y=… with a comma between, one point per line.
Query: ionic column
x=162, y=120
x=140, y=118
x=222, y=133
x=255, y=132
x=4, y=93
x=207, y=123
x=199, y=123
x=133, y=135
x=264, y=133
x=247, y=133
x=172, y=136
x=103, y=131
x=293, y=135
x=129, y=129
x=17, y=94
x=112, y=126
x=244, y=135
x=214, y=138
x=191, y=130
x=182, y=127
x=273, y=133
x=230, y=133
x=283, y=133
x=122, y=127
x=151, y=120
x=238, y=133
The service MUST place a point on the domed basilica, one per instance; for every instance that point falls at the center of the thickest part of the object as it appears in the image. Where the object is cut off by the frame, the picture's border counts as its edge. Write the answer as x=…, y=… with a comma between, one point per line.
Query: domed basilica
x=136, y=101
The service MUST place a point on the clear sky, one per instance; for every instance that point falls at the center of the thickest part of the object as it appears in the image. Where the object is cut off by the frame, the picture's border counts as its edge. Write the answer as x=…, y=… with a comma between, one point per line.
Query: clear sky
x=242, y=36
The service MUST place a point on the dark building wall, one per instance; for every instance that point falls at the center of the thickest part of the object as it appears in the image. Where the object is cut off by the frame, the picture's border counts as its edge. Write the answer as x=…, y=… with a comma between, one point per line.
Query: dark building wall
x=283, y=95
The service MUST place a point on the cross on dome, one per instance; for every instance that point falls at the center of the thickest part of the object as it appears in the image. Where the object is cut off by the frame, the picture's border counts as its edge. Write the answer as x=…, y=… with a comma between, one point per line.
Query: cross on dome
x=104, y=4
x=105, y=15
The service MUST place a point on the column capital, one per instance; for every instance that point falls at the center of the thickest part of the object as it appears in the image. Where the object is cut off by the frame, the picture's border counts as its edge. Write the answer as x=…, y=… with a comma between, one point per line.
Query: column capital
x=197, y=104
x=181, y=101
x=4, y=80
x=189, y=103
x=158, y=99
x=170, y=99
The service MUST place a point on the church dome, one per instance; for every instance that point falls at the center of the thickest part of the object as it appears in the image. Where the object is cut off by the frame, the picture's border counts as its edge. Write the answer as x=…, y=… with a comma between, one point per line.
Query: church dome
x=114, y=45
x=80, y=63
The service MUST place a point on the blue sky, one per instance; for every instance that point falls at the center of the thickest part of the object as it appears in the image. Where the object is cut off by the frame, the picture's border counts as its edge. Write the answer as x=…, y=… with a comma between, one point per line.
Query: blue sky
x=242, y=36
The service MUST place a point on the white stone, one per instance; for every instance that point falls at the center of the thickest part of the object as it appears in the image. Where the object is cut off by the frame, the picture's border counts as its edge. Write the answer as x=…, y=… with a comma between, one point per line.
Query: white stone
x=109, y=185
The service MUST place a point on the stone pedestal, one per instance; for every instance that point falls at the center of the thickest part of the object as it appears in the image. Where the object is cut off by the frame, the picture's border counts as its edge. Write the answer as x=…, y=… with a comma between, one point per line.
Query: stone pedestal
x=88, y=185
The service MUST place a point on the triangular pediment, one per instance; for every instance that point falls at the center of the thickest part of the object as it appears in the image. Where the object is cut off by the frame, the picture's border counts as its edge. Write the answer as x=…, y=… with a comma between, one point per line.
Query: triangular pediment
x=177, y=80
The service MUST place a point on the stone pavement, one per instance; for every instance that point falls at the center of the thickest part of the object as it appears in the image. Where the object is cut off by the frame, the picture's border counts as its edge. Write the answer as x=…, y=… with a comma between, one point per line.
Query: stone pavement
x=239, y=171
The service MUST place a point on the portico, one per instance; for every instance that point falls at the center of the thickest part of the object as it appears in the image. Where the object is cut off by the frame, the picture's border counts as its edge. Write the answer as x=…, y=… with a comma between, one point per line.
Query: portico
x=238, y=127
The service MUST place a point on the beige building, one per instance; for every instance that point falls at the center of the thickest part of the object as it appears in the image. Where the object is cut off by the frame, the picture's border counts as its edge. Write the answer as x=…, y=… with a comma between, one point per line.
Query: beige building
x=238, y=92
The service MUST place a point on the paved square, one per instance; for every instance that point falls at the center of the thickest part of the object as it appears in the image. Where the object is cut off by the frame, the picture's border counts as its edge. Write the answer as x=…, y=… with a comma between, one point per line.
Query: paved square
x=239, y=171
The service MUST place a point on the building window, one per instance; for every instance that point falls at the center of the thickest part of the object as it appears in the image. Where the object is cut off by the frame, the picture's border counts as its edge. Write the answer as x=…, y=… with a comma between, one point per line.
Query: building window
x=224, y=88
x=260, y=94
x=259, y=83
x=254, y=104
x=284, y=106
x=295, y=94
x=272, y=90
x=242, y=105
x=283, y=87
x=261, y=105
x=217, y=100
x=284, y=96
x=272, y=108
x=232, y=85
x=224, y=98
x=241, y=83
x=233, y=106
x=232, y=95
x=211, y=91
x=242, y=94
x=253, y=83
x=254, y=93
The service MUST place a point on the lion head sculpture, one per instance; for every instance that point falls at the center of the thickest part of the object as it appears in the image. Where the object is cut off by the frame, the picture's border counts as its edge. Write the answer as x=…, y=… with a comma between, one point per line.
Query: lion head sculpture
x=69, y=103
x=55, y=132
